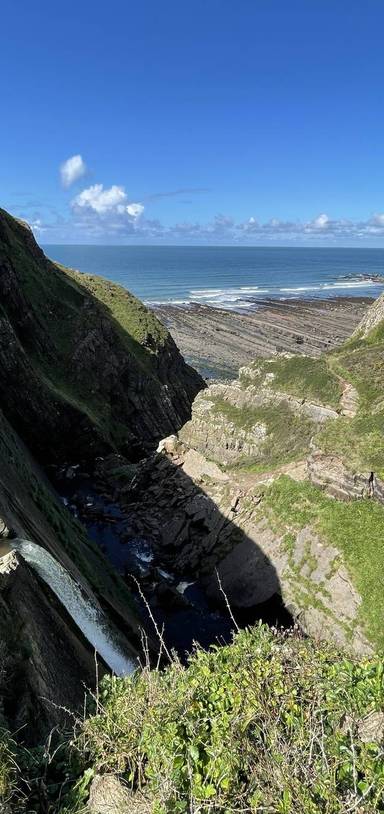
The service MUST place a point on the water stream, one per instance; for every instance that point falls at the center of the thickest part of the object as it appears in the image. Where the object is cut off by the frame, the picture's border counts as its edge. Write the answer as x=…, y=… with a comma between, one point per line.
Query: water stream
x=185, y=621
x=88, y=616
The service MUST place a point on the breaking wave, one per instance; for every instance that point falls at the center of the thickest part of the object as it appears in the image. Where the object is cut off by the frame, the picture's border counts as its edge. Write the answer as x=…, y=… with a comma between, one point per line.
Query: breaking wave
x=241, y=298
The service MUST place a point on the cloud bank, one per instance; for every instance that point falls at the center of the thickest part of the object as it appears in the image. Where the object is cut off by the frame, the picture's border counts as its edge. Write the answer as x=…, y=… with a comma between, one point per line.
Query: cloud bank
x=106, y=214
x=71, y=170
x=99, y=214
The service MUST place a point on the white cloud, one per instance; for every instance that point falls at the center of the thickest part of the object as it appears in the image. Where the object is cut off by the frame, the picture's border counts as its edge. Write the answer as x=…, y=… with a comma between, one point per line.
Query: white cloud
x=135, y=209
x=109, y=204
x=321, y=222
x=37, y=226
x=72, y=169
x=378, y=219
x=100, y=200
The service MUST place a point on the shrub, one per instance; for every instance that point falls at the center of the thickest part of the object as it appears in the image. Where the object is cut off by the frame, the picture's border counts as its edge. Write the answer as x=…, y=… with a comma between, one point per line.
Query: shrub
x=270, y=723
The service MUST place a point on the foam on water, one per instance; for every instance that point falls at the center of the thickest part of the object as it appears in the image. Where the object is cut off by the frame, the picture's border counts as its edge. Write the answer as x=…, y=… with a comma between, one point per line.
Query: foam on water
x=234, y=278
x=248, y=297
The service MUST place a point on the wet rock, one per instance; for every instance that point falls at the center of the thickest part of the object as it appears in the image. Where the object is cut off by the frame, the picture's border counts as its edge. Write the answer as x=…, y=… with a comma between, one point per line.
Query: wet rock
x=72, y=472
x=4, y=530
x=247, y=577
x=175, y=533
x=170, y=598
x=219, y=342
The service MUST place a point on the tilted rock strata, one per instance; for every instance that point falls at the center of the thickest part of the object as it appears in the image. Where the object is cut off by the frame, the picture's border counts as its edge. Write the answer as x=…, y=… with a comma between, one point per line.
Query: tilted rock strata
x=201, y=522
x=216, y=435
x=331, y=473
x=219, y=342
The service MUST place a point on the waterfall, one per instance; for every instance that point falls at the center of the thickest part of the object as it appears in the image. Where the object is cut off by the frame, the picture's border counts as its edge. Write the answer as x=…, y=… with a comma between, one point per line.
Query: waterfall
x=91, y=620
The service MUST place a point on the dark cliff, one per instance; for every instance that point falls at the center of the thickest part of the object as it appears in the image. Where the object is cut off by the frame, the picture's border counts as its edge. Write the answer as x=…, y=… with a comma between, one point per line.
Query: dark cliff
x=85, y=367
x=43, y=655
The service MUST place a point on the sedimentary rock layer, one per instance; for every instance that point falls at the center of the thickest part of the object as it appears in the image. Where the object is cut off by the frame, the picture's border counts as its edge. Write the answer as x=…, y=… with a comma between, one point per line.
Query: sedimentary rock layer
x=218, y=342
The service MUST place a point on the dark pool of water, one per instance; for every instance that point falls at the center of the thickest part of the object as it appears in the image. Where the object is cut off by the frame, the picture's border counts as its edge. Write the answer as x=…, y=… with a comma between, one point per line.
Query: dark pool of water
x=195, y=621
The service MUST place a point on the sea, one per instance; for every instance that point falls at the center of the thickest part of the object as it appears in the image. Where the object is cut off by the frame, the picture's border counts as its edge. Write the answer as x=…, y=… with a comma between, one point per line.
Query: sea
x=235, y=278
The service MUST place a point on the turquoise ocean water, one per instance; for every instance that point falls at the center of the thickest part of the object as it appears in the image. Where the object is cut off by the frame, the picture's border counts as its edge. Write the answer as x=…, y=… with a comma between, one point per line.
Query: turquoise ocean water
x=229, y=277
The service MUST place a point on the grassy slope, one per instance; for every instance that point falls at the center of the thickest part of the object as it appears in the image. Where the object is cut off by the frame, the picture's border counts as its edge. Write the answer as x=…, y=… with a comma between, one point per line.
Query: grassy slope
x=288, y=435
x=299, y=376
x=355, y=528
x=65, y=304
x=137, y=321
x=258, y=726
x=360, y=441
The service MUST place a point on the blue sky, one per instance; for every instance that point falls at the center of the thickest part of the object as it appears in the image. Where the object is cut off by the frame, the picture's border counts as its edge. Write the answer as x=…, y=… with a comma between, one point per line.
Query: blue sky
x=250, y=122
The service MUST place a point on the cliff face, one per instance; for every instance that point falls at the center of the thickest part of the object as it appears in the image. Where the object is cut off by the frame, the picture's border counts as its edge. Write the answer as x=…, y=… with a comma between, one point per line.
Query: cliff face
x=84, y=366
x=44, y=657
x=374, y=318
x=85, y=369
x=277, y=481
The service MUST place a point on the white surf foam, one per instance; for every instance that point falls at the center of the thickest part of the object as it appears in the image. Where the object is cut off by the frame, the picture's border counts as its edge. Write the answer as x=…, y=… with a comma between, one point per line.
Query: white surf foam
x=237, y=298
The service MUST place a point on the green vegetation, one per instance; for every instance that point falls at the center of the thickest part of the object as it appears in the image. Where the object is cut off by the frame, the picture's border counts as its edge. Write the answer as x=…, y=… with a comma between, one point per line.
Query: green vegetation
x=355, y=528
x=271, y=723
x=358, y=441
x=257, y=726
x=364, y=368
x=299, y=376
x=288, y=434
x=130, y=314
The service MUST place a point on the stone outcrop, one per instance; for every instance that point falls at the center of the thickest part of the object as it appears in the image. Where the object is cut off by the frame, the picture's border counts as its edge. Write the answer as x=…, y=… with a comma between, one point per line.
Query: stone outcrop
x=85, y=369
x=200, y=520
x=218, y=342
x=46, y=662
x=371, y=320
x=331, y=473
x=263, y=393
x=213, y=432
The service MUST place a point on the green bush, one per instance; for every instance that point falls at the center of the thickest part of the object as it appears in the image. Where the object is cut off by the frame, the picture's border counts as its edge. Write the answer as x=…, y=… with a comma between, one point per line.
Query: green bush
x=270, y=723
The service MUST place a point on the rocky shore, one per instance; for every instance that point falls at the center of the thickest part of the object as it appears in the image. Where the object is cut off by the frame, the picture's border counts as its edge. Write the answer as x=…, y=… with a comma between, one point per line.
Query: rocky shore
x=217, y=342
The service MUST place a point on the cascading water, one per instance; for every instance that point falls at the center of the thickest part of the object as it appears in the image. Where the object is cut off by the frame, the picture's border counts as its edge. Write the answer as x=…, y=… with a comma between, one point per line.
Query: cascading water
x=88, y=617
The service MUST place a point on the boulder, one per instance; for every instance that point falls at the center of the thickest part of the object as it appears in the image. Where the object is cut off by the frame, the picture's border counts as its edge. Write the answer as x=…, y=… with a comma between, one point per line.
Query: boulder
x=109, y=796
